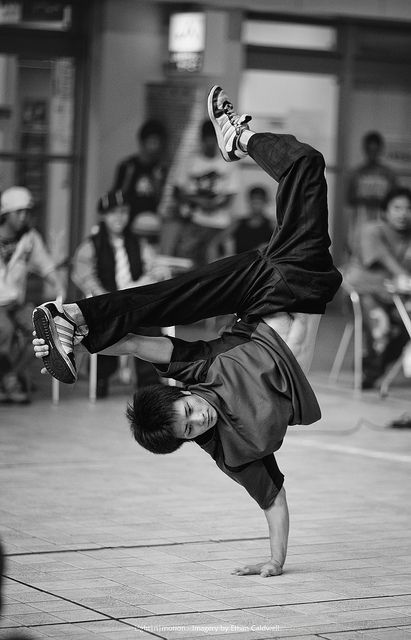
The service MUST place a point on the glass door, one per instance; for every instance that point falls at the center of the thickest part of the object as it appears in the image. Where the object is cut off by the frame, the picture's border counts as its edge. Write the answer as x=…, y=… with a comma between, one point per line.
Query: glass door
x=36, y=140
x=303, y=104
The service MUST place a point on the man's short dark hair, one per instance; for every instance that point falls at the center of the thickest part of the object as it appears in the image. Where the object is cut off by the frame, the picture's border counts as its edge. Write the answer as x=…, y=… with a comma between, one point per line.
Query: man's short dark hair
x=259, y=192
x=373, y=137
x=396, y=192
x=152, y=416
x=152, y=128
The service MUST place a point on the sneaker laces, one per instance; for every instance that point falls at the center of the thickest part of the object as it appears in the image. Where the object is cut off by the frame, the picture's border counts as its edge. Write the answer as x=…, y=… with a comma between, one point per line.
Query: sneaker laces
x=235, y=119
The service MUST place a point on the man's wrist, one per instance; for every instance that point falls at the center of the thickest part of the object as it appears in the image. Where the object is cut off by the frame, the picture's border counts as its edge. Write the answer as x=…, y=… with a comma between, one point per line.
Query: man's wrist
x=276, y=562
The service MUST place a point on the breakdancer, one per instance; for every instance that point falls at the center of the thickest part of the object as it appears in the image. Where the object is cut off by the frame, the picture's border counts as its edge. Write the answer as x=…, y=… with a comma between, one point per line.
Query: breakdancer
x=242, y=390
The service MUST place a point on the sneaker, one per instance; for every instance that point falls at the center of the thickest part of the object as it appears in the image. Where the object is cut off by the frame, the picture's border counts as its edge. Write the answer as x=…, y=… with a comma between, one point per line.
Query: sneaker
x=53, y=325
x=227, y=123
x=403, y=422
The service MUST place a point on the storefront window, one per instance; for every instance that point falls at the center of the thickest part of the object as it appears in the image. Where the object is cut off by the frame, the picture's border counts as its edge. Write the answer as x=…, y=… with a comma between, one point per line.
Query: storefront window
x=267, y=33
x=36, y=140
x=36, y=14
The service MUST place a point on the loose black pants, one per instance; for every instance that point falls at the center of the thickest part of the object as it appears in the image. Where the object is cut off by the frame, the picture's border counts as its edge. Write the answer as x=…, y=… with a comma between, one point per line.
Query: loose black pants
x=294, y=273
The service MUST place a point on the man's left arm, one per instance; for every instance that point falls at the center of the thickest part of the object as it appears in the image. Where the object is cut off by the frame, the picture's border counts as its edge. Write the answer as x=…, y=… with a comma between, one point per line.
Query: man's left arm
x=278, y=527
x=263, y=481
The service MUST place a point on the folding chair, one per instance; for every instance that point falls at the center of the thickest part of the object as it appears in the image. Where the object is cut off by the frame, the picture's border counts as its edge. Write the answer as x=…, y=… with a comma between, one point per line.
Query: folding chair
x=353, y=326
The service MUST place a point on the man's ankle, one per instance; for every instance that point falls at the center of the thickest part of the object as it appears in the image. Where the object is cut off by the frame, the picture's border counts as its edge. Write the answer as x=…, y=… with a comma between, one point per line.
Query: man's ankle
x=74, y=313
x=244, y=138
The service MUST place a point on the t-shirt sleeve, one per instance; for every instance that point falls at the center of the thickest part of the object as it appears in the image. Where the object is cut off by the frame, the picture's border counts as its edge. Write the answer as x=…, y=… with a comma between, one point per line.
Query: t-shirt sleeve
x=373, y=246
x=262, y=479
x=189, y=361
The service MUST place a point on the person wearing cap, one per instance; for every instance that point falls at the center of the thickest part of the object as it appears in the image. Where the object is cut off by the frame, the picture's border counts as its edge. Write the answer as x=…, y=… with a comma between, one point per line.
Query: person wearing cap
x=22, y=250
x=111, y=259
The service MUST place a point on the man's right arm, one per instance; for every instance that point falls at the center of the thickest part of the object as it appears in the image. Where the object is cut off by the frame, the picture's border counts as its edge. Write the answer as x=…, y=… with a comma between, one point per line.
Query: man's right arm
x=157, y=350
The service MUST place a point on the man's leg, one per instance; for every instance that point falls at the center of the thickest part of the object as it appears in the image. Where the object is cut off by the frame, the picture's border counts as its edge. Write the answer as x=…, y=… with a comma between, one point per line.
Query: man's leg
x=247, y=284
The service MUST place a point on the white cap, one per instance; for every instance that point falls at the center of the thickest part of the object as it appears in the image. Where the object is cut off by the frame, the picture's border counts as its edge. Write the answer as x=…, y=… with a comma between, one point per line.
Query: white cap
x=15, y=198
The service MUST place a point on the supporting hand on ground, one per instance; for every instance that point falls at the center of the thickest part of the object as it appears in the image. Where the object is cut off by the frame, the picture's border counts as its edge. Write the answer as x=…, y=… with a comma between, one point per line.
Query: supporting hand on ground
x=264, y=569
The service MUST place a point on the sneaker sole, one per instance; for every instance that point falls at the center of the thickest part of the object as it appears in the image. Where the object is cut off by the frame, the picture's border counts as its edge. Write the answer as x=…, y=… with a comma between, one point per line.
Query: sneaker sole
x=57, y=363
x=211, y=103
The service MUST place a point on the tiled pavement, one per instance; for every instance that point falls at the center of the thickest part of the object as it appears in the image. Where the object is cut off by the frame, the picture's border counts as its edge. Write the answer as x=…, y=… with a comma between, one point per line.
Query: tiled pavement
x=106, y=540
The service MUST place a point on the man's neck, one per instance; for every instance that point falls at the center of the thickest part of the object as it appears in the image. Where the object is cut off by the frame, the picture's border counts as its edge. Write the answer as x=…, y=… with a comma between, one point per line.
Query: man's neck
x=7, y=233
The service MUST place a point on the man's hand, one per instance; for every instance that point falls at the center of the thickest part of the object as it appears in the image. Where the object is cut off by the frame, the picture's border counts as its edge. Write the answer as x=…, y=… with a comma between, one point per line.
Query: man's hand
x=264, y=569
x=41, y=349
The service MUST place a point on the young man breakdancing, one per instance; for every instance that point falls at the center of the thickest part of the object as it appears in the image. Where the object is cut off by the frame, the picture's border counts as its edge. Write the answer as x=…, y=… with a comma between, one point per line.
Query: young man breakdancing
x=242, y=390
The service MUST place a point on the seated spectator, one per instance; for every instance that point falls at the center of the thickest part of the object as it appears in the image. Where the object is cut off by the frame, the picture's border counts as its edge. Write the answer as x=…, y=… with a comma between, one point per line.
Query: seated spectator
x=22, y=250
x=205, y=188
x=109, y=260
x=253, y=230
x=382, y=251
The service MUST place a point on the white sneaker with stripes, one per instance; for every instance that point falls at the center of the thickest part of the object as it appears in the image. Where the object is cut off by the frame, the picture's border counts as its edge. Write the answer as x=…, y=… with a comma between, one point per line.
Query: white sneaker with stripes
x=58, y=331
x=228, y=125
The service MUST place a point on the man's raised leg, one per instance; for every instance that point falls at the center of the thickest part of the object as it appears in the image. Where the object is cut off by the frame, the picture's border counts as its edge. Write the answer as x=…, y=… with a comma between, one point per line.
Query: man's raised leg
x=248, y=284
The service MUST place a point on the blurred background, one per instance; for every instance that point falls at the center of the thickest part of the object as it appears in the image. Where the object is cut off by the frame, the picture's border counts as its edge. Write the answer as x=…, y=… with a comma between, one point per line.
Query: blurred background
x=77, y=79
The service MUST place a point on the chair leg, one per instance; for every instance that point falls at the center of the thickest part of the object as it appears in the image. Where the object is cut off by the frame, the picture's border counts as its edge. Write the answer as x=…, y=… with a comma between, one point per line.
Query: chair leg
x=341, y=352
x=55, y=391
x=390, y=376
x=92, y=380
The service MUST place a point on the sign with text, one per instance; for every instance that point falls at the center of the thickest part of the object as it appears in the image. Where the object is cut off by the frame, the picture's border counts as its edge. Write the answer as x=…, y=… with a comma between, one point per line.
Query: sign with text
x=186, y=41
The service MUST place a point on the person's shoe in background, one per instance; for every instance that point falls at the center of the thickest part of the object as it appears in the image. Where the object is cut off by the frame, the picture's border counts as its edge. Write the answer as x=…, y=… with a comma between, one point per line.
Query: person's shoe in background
x=13, y=390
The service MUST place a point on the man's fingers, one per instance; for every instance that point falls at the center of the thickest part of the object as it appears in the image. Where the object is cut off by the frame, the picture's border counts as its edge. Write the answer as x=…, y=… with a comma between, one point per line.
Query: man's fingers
x=265, y=573
x=244, y=571
x=43, y=370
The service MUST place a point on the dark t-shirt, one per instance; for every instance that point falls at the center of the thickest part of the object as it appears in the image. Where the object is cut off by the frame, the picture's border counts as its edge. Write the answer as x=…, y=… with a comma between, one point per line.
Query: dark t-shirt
x=249, y=236
x=141, y=183
x=252, y=379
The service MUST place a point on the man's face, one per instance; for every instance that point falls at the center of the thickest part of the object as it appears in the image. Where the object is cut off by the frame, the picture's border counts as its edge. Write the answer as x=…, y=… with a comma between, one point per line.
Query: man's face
x=152, y=148
x=373, y=150
x=116, y=220
x=16, y=220
x=398, y=213
x=194, y=416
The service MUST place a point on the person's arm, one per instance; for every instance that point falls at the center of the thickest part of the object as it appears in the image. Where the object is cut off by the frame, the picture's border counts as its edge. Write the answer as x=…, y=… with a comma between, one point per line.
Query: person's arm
x=42, y=263
x=55, y=280
x=376, y=252
x=84, y=271
x=392, y=265
x=157, y=350
x=278, y=527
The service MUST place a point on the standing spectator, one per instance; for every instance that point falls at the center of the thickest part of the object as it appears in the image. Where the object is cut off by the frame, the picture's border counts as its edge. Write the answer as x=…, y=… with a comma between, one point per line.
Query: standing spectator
x=254, y=230
x=141, y=178
x=369, y=184
x=22, y=250
x=205, y=190
x=109, y=260
x=382, y=251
